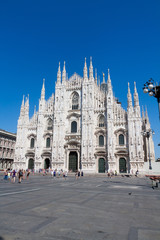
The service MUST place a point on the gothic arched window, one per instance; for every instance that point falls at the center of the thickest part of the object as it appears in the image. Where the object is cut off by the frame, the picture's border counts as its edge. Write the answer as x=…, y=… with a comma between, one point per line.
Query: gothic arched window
x=75, y=101
x=49, y=124
x=101, y=121
x=121, y=139
x=48, y=142
x=101, y=140
x=32, y=143
x=73, y=127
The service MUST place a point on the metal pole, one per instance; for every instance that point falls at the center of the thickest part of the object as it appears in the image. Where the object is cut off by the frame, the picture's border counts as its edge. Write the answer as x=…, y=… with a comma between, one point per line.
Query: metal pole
x=158, y=100
x=148, y=135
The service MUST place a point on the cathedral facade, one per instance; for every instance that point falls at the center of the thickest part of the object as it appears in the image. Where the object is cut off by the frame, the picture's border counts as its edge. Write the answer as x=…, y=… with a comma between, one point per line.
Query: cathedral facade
x=83, y=127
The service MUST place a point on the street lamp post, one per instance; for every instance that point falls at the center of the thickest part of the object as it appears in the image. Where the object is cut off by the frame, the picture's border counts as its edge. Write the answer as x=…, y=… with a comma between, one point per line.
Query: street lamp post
x=153, y=89
x=147, y=134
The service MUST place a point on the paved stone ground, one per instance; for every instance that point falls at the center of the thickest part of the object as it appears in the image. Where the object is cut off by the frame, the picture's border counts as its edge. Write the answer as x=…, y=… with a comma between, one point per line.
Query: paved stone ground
x=92, y=207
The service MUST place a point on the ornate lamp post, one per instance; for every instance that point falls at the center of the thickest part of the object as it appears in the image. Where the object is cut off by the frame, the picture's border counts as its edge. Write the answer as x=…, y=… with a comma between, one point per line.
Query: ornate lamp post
x=153, y=89
x=147, y=134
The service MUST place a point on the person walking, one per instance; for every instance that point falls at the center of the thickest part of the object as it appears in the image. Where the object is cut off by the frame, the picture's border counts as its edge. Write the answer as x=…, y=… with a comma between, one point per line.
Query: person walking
x=66, y=174
x=24, y=174
x=20, y=176
x=76, y=175
x=52, y=173
x=9, y=175
x=13, y=176
x=28, y=174
x=5, y=175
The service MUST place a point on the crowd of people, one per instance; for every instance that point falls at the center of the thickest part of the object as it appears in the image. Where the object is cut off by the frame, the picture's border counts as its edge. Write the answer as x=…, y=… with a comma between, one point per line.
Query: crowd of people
x=12, y=175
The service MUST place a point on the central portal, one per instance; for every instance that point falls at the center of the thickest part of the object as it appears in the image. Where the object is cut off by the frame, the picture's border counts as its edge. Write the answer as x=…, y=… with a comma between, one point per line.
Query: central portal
x=73, y=161
x=47, y=163
x=101, y=165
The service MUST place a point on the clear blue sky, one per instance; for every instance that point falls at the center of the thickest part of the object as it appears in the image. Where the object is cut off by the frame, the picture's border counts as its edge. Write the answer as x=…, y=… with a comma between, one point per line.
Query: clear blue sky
x=35, y=35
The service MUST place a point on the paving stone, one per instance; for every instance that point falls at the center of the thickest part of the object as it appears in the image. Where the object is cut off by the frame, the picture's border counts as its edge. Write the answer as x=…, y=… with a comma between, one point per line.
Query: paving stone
x=92, y=207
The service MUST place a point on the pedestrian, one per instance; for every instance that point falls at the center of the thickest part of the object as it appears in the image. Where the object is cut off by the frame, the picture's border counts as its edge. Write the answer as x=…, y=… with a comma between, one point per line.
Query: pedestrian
x=20, y=176
x=13, y=176
x=66, y=174
x=137, y=172
x=115, y=173
x=82, y=174
x=54, y=174
x=28, y=173
x=78, y=174
x=5, y=175
x=9, y=175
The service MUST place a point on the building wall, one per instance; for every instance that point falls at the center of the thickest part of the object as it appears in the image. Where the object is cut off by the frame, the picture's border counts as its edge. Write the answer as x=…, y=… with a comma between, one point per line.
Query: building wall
x=7, y=149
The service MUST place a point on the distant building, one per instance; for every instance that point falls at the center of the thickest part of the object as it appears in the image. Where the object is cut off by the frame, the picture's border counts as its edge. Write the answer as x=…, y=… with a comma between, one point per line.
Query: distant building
x=7, y=149
x=83, y=127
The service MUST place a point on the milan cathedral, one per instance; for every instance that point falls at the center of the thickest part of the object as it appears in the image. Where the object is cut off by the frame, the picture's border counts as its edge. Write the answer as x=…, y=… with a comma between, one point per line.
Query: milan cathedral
x=83, y=127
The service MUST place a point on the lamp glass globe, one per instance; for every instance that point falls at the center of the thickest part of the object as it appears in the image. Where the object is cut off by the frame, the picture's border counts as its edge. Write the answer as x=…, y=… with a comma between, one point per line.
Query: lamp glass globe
x=150, y=86
x=150, y=94
x=145, y=90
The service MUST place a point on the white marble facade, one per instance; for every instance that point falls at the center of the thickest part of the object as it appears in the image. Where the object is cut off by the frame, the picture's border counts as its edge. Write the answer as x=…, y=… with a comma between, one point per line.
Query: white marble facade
x=83, y=127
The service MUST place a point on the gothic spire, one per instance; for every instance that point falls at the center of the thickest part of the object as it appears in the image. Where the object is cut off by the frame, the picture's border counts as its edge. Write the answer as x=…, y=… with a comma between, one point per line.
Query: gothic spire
x=85, y=71
x=136, y=100
x=22, y=107
x=91, y=69
x=129, y=96
x=99, y=81
x=109, y=78
x=64, y=74
x=59, y=74
x=143, y=117
x=103, y=78
x=27, y=106
x=43, y=90
x=146, y=114
x=96, y=76
x=109, y=85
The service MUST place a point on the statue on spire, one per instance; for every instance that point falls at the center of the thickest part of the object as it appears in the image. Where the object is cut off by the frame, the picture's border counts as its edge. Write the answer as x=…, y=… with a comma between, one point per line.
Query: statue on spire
x=103, y=78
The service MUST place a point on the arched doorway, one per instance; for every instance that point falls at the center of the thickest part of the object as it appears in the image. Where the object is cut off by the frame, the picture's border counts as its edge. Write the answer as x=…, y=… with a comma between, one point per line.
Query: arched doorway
x=101, y=165
x=122, y=165
x=47, y=163
x=73, y=161
x=31, y=163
